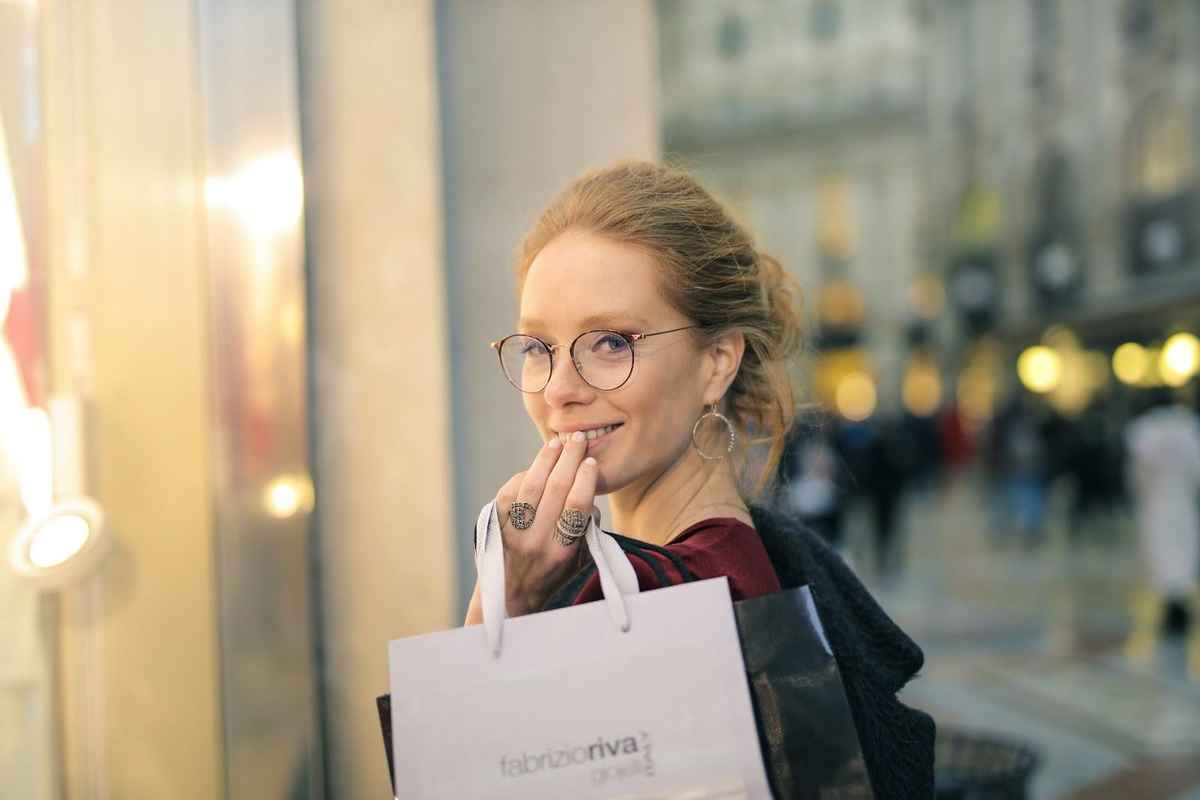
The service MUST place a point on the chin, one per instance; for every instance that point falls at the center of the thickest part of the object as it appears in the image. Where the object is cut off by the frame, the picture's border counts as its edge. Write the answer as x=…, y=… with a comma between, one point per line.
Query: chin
x=609, y=481
x=605, y=485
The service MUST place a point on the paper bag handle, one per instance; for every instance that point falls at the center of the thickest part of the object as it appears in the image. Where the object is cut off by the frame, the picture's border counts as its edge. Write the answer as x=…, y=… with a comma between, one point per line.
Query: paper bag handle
x=617, y=577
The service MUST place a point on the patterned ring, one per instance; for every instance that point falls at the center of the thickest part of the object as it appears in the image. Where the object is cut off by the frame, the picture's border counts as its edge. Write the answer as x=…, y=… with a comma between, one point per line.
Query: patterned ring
x=571, y=526
x=565, y=541
x=521, y=515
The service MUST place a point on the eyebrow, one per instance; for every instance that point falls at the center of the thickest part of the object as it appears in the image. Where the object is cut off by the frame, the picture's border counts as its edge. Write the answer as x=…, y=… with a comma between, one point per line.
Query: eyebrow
x=613, y=320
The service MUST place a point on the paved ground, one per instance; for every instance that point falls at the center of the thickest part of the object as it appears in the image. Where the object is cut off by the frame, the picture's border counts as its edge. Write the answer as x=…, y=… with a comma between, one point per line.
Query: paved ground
x=1024, y=641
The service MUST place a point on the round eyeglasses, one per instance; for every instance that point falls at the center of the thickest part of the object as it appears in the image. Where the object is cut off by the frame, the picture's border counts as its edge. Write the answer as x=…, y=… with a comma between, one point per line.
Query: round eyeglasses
x=603, y=358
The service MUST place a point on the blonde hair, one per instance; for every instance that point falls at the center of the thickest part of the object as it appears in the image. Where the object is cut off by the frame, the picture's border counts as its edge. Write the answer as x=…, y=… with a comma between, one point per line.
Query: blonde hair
x=715, y=276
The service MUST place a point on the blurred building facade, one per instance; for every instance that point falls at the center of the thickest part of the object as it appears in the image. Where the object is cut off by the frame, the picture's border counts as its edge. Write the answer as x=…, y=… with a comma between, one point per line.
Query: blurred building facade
x=808, y=119
x=1035, y=158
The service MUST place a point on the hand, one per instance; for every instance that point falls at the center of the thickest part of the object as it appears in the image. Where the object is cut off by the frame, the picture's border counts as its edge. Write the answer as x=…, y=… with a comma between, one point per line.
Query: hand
x=535, y=563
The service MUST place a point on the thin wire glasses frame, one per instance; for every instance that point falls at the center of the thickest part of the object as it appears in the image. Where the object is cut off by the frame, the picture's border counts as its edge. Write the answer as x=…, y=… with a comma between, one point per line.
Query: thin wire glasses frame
x=630, y=339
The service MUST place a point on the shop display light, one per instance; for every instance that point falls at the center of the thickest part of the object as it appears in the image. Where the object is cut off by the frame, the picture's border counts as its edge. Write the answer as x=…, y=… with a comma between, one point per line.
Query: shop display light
x=60, y=547
x=65, y=536
x=288, y=495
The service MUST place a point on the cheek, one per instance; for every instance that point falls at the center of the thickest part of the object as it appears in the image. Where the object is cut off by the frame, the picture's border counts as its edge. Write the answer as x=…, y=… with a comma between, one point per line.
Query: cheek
x=662, y=412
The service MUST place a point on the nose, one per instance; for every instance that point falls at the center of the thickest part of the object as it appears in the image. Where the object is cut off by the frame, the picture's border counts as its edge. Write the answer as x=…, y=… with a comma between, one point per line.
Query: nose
x=566, y=386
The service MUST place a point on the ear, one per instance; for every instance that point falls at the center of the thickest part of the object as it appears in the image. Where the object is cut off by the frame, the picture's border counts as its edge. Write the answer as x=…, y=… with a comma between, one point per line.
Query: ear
x=724, y=356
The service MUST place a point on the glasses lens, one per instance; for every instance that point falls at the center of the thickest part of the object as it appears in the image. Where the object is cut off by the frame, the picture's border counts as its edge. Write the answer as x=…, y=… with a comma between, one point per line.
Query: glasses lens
x=604, y=358
x=526, y=362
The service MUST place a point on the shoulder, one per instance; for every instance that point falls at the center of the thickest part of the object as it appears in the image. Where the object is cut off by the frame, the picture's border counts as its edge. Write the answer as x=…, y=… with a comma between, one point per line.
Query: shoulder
x=801, y=558
x=729, y=547
x=876, y=658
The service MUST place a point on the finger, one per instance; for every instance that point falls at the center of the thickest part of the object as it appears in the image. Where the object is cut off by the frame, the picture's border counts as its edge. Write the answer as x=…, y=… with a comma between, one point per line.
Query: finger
x=582, y=493
x=538, y=472
x=508, y=495
x=562, y=478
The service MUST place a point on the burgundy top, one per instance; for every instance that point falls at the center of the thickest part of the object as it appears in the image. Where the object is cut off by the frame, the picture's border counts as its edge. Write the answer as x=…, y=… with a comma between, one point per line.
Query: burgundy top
x=710, y=548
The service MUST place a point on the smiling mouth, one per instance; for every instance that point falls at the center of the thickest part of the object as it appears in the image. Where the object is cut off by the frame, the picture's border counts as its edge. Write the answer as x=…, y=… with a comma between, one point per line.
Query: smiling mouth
x=592, y=434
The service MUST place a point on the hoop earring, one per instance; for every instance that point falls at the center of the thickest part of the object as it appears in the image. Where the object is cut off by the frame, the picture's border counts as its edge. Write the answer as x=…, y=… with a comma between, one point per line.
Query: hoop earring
x=712, y=412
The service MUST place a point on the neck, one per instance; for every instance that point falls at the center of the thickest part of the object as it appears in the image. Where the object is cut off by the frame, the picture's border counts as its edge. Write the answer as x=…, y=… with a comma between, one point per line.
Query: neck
x=690, y=491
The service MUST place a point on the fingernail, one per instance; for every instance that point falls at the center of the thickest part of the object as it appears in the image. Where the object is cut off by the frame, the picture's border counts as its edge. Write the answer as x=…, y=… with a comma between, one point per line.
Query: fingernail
x=591, y=462
x=554, y=443
x=578, y=436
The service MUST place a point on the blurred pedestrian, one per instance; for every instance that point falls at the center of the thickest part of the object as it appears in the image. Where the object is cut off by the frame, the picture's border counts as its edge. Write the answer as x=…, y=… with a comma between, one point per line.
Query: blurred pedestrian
x=1164, y=476
x=902, y=452
x=1020, y=471
x=813, y=485
x=1091, y=457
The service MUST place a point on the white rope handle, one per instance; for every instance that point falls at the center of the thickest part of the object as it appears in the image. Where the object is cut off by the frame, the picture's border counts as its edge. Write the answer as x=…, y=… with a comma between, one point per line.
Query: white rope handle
x=617, y=577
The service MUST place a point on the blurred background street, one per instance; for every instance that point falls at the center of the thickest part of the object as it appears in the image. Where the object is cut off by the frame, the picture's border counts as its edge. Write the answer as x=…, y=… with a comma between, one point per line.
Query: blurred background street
x=1028, y=642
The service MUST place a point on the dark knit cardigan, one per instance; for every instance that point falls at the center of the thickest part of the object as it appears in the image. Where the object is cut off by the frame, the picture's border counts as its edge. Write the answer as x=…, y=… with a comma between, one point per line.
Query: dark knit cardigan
x=875, y=657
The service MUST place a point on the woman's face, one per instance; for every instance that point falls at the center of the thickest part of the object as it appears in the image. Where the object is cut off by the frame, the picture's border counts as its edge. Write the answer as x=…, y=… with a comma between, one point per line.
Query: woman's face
x=581, y=281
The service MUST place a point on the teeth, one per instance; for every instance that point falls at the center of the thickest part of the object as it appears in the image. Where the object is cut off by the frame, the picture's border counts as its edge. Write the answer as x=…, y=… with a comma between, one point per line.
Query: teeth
x=594, y=433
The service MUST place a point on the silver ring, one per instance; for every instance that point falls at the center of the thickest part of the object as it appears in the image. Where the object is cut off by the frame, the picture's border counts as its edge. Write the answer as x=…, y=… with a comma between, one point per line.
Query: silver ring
x=571, y=526
x=521, y=515
x=565, y=541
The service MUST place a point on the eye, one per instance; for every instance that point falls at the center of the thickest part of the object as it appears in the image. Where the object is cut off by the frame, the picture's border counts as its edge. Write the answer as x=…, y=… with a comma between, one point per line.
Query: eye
x=611, y=343
x=532, y=347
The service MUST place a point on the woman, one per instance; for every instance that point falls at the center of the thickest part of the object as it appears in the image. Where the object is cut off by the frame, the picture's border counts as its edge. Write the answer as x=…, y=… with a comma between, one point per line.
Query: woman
x=653, y=337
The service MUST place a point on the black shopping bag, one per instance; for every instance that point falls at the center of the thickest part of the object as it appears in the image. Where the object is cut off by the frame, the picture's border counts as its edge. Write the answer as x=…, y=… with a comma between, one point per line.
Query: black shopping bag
x=809, y=742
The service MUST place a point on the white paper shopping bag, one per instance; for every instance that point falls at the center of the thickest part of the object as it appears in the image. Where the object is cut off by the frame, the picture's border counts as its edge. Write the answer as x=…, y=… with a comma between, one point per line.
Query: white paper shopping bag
x=641, y=696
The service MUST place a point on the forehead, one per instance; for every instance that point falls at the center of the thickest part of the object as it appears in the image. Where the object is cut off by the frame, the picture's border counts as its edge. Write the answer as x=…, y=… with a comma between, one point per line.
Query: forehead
x=580, y=279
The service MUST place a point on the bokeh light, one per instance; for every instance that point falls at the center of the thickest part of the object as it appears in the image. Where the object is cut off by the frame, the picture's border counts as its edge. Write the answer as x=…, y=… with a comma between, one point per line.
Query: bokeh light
x=1130, y=363
x=922, y=389
x=1179, y=359
x=288, y=495
x=856, y=396
x=1040, y=369
x=267, y=193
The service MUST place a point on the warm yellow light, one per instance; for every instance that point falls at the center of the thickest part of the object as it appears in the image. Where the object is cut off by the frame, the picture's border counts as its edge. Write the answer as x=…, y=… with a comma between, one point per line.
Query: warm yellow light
x=841, y=304
x=977, y=396
x=288, y=495
x=1040, y=369
x=831, y=366
x=1073, y=392
x=57, y=540
x=291, y=323
x=1060, y=338
x=267, y=193
x=856, y=396
x=1179, y=359
x=922, y=390
x=1130, y=363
